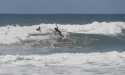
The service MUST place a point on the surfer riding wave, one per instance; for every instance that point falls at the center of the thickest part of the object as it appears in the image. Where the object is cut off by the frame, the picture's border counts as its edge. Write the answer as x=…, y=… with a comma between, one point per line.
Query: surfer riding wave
x=57, y=30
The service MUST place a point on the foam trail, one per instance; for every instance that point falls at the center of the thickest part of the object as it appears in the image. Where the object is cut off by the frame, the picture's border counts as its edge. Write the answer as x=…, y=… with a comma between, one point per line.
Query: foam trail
x=16, y=34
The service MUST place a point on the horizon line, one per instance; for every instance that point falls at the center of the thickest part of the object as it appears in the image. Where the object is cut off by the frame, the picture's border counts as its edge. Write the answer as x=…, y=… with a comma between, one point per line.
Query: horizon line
x=62, y=13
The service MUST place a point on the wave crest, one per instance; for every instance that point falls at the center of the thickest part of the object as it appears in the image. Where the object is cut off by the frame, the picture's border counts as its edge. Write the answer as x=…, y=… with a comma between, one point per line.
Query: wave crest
x=16, y=34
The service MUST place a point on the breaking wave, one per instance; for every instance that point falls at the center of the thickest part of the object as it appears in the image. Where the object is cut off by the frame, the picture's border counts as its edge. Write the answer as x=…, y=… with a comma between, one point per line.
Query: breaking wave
x=68, y=59
x=17, y=34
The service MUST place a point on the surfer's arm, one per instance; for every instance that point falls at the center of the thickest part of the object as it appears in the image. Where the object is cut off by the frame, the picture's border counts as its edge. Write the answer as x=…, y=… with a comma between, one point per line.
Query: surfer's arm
x=57, y=26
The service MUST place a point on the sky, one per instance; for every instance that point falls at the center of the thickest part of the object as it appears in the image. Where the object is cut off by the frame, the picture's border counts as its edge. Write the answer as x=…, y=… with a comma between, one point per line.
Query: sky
x=63, y=6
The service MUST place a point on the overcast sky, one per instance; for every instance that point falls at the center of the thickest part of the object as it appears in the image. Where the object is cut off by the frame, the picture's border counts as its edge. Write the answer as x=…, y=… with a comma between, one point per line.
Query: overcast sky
x=63, y=6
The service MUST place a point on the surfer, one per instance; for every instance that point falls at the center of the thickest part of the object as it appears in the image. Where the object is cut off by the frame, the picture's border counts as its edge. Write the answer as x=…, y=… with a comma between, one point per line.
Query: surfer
x=38, y=29
x=57, y=30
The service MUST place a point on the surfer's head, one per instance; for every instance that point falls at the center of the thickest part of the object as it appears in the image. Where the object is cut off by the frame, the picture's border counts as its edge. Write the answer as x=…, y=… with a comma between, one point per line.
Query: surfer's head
x=56, y=29
x=39, y=27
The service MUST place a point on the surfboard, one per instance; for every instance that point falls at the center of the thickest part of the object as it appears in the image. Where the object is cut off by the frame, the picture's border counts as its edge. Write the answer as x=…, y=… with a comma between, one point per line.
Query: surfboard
x=64, y=37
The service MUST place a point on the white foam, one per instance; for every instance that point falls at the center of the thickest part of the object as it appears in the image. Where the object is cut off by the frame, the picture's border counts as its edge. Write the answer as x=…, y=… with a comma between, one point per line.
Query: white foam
x=15, y=34
x=69, y=59
x=97, y=28
x=109, y=63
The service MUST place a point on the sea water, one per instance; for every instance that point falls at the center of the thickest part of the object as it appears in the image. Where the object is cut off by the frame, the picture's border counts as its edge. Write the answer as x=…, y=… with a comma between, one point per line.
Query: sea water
x=94, y=44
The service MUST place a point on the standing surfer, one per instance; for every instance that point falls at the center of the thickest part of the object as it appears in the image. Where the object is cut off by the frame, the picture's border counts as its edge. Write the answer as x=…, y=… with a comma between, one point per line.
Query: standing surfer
x=57, y=30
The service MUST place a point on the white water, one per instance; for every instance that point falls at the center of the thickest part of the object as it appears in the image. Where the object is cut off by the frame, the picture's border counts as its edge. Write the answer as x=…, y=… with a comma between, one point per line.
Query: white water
x=16, y=34
x=66, y=59
x=93, y=63
x=110, y=63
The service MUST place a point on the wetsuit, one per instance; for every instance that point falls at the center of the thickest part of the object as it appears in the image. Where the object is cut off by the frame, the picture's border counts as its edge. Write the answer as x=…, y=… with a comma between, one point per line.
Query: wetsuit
x=58, y=32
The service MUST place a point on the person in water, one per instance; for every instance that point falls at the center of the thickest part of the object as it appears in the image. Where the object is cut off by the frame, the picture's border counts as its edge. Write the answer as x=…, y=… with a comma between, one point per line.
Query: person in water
x=38, y=29
x=57, y=30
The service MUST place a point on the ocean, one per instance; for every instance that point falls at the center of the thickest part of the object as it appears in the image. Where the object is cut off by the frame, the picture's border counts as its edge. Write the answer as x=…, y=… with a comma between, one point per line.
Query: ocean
x=94, y=44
